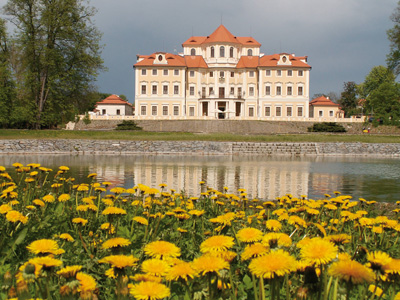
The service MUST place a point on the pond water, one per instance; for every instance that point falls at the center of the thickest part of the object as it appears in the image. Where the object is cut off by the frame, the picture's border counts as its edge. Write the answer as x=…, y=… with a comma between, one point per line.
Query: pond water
x=262, y=177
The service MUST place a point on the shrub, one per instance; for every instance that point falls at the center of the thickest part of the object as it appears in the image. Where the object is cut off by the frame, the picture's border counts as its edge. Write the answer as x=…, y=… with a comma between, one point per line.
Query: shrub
x=86, y=119
x=128, y=125
x=326, y=127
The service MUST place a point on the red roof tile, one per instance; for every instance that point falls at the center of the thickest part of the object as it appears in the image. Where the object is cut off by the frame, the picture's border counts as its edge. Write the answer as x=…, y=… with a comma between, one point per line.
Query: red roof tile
x=248, y=41
x=194, y=40
x=248, y=62
x=114, y=99
x=272, y=61
x=195, y=62
x=173, y=60
x=323, y=101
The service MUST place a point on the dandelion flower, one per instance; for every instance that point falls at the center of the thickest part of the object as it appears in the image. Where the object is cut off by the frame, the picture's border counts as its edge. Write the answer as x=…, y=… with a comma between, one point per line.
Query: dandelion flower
x=120, y=261
x=249, y=235
x=43, y=246
x=64, y=197
x=378, y=260
x=318, y=251
x=67, y=237
x=254, y=250
x=147, y=290
x=350, y=270
x=38, y=202
x=162, y=250
x=339, y=239
x=79, y=221
x=46, y=261
x=273, y=225
x=156, y=267
x=277, y=239
x=209, y=263
x=13, y=216
x=48, y=198
x=216, y=243
x=145, y=277
x=87, y=285
x=116, y=242
x=141, y=220
x=182, y=270
x=69, y=271
x=5, y=208
x=274, y=264
x=375, y=290
x=114, y=211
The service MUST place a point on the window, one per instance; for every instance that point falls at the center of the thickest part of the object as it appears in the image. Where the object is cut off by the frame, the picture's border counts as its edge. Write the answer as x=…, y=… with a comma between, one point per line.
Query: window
x=143, y=110
x=278, y=90
x=267, y=90
x=176, y=89
x=289, y=73
x=251, y=91
x=250, y=52
x=232, y=90
x=300, y=73
x=331, y=113
x=288, y=111
x=165, y=89
x=176, y=110
x=222, y=51
x=221, y=74
x=154, y=110
x=143, y=90
x=203, y=92
x=193, y=51
x=143, y=71
x=231, y=52
x=191, y=90
x=278, y=111
x=212, y=52
x=118, y=112
x=267, y=111
x=191, y=111
x=211, y=74
x=211, y=91
x=155, y=72
x=320, y=113
x=165, y=72
x=103, y=112
x=176, y=72
x=251, y=111
x=299, y=111
x=154, y=90
x=300, y=91
x=165, y=110
x=191, y=73
x=251, y=74
x=232, y=74
x=289, y=90
x=239, y=92
x=284, y=59
x=267, y=72
x=278, y=73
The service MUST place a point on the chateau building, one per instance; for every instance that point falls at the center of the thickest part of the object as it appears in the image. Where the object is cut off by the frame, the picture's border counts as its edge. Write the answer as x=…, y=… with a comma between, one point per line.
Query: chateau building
x=221, y=76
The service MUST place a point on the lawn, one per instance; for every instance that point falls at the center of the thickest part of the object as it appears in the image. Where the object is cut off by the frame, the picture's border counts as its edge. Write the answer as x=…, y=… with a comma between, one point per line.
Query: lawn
x=180, y=136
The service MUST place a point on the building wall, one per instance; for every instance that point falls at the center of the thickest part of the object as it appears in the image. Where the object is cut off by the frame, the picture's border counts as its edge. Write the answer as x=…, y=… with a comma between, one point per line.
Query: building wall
x=112, y=110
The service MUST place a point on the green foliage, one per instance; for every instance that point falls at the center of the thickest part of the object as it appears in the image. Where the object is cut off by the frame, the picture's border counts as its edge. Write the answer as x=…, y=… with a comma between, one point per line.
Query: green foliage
x=326, y=127
x=348, y=99
x=57, y=58
x=86, y=119
x=128, y=125
x=393, y=58
x=377, y=76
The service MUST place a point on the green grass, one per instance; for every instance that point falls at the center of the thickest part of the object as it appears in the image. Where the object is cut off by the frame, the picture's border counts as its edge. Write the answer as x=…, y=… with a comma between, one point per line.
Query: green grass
x=179, y=136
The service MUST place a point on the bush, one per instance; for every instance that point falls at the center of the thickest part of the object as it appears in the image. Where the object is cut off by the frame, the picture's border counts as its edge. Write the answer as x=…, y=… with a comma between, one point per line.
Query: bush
x=86, y=119
x=326, y=127
x=128, y=125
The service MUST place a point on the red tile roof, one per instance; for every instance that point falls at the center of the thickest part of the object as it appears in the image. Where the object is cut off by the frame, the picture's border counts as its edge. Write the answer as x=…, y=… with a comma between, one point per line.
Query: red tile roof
x=323, y=101
x=272, y=61
x=113, y=99
x=173, y=60
x=248, y=62
x=221, y=34
x=195, y=62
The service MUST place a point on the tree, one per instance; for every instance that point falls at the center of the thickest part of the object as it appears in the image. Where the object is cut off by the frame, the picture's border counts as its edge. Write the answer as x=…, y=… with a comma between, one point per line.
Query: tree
x=377, y=76
x=393, y=58
x=58, y=50
x=348, y=99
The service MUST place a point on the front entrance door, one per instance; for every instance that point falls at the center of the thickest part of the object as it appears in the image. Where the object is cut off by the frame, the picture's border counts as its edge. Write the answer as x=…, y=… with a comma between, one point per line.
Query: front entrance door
x=205, y=109
x=238, y=109
x=221, y=110
x=221, y=92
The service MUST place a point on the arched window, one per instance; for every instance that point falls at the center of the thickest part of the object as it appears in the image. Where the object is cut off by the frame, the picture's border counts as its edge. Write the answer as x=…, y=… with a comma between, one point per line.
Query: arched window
x=222, y=51
x=193, y=51
x=212, y=52
x=250, y=52
x=231, y=52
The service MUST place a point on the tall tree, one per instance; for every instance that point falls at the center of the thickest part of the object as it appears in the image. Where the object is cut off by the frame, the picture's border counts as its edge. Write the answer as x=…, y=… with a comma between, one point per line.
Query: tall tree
x=393, y=58
x=384, y=103
x=377, y=76
x=59, y=54
x=348, y=98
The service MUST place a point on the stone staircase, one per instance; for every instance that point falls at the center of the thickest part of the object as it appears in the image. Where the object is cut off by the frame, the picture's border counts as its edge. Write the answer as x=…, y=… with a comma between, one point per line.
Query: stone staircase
x=294, y=149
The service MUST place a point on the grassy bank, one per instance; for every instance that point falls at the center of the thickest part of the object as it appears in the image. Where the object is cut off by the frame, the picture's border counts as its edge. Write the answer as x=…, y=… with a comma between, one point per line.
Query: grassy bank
x=179, y=136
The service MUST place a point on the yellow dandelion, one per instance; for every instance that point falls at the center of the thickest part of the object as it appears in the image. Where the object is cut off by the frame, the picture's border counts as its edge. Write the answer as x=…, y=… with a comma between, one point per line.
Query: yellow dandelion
x=273, y=225
x=276, y=239
x=274, y=264
x=339, y=239
x=87, y=285
x=38, y=202
x=13, y=216
x=318, y=251
x=67, y=237
x=81, y=221
x=182, y=270
x=351, y=271
x=217, y=243
x=155, y=267
x=46, y=261
x=249, y=235
x=116, y=242
x=63, y=168
x=48, y=198
x=162, y=250
x=43, y=246
x=120, y=261
x=114, y=211
x=69, y=271
x=64, y=197
x=118, y=190
x=209, y=263
x=141, y=220
x=378, y=260
x=375, y=290
x=148, y=290
x=254, y=250
x=145, y=277
x=5, y=208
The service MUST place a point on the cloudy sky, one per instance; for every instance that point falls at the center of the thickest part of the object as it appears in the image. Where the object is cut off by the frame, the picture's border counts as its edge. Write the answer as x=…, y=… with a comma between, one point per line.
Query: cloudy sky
x=343, y=39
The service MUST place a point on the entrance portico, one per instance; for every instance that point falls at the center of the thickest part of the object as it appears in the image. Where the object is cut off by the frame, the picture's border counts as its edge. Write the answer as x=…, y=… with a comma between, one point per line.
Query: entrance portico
x=222, y=108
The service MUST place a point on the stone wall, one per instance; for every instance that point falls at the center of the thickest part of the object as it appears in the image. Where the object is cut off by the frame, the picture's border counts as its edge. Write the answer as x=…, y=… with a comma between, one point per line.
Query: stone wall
x=59, y=146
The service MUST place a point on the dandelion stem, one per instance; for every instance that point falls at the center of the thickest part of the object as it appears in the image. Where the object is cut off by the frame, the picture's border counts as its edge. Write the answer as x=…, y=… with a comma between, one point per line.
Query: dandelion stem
x=254, y=286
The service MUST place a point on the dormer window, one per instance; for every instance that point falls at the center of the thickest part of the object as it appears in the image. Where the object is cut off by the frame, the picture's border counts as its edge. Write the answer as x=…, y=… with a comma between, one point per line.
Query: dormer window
x=250, y=52
x=160, y=58
x=193, y=52
x=284, y=59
